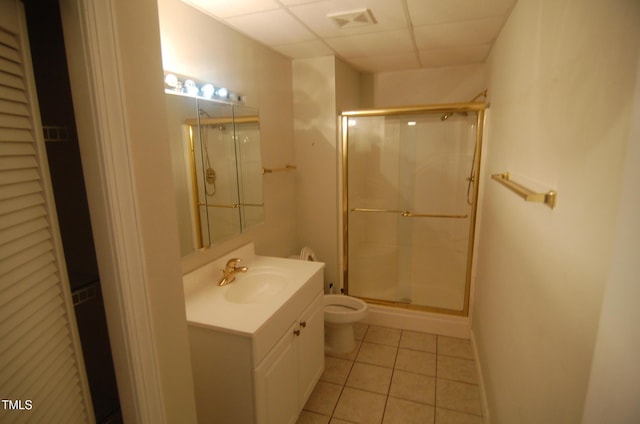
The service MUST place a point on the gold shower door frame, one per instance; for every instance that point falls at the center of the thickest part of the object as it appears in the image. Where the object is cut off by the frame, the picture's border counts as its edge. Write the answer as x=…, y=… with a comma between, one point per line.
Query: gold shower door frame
x=442, y=109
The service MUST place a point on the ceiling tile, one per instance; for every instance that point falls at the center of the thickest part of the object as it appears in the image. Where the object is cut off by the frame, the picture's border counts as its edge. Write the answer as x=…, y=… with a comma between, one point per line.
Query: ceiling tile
x=445, y=32
x=227, y=8
x=389, y=15
x=453, y=34
x=272, y=28
x=426, y=12
x=377, y=43
x=464, y=55
x=315, y=48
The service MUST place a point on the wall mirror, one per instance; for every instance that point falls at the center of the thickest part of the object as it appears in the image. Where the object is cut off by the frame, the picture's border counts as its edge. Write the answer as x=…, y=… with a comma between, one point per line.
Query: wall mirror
x=217, y=169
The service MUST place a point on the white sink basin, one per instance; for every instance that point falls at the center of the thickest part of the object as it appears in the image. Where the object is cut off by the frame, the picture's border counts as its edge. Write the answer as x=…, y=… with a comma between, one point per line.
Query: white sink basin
x=256, y=285
x=255, y=297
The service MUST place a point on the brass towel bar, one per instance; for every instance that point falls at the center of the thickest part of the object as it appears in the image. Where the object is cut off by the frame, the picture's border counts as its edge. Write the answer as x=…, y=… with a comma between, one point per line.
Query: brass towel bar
x=548, y=198
x=287, y=167
x=408, y=214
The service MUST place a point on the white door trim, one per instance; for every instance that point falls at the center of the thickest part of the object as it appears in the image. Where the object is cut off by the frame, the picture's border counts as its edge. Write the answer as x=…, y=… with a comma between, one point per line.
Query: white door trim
x=93, y=57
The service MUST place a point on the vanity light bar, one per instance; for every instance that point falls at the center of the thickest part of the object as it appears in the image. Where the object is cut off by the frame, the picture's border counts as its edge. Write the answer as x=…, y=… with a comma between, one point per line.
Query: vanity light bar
x=175, y=84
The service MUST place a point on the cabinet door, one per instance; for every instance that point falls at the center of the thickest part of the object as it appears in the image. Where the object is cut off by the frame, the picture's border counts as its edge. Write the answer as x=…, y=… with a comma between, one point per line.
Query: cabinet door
x=277, y=382
x=310, y=349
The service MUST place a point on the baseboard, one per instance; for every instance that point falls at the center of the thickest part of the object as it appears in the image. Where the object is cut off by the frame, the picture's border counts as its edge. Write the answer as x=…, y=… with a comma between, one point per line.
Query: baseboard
x=483, y=394
x=406, y=319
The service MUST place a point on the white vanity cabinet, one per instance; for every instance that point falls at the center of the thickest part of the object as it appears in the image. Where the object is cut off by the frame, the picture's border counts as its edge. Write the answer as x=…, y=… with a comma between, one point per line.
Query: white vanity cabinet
x=251, y=364
x=287, y=376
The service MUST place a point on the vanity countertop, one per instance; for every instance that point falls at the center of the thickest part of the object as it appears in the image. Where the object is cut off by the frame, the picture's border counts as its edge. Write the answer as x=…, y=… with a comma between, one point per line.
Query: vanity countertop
x=208, y=305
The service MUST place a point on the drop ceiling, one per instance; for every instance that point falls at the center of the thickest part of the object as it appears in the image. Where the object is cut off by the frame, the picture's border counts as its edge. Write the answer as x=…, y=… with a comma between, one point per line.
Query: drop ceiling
x=371, y=35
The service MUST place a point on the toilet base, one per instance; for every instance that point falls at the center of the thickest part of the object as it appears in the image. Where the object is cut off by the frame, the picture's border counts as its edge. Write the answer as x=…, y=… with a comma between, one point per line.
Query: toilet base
x=339, y=338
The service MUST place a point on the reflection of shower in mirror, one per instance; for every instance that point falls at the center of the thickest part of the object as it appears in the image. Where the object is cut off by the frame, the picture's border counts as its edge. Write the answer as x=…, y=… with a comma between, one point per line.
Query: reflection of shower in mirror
x=210, y=173
x=210, y=177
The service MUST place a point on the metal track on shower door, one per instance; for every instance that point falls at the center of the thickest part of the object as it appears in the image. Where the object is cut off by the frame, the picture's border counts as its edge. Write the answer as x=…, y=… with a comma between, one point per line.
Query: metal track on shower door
x=408, y=214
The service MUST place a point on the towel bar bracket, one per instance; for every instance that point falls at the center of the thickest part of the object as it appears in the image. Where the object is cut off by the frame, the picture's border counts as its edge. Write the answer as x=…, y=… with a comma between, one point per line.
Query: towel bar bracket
x=549, y=198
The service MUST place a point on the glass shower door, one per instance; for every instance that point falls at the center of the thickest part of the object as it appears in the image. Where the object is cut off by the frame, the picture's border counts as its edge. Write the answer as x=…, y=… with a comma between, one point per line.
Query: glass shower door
x=410, y=208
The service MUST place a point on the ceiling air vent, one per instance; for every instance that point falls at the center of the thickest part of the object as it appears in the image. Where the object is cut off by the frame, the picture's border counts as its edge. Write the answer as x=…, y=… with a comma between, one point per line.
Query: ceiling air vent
x=354, y=18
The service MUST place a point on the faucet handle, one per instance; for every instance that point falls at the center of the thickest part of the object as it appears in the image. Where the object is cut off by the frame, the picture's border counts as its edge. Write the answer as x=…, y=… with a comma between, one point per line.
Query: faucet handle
x=231, y=263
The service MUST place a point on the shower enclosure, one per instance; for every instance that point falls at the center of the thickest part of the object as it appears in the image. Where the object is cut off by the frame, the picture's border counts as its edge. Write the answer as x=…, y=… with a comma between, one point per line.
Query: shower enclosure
x=409, y=204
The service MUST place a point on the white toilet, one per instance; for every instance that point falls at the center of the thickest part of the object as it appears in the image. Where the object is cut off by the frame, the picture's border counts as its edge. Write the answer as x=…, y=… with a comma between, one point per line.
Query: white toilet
x=340, y=312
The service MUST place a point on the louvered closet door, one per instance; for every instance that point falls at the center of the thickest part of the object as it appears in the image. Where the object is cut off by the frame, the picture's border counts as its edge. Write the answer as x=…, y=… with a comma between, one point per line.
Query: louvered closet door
x=42, y=378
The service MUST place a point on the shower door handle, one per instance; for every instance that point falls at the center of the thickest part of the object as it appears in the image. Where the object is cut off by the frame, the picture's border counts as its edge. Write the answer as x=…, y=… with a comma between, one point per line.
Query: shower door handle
x=408, y=214
x=377, y=210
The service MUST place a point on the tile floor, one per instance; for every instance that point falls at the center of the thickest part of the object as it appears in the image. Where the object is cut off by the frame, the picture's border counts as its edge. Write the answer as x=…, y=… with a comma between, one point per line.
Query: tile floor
x=398, y=376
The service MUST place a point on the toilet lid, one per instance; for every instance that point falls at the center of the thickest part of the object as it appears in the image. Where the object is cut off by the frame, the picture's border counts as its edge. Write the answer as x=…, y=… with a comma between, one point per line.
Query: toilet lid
x=306, y=254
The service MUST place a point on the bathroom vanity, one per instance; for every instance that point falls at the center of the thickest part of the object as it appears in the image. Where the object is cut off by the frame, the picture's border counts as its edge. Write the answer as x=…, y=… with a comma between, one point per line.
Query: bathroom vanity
x=257, y=344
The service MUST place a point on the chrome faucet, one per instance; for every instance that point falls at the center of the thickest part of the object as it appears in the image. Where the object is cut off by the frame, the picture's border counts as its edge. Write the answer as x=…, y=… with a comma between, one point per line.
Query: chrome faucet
x=229, y=271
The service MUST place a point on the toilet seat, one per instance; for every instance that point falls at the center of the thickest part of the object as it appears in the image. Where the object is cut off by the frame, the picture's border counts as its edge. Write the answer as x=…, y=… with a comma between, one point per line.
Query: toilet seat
x=341, y=309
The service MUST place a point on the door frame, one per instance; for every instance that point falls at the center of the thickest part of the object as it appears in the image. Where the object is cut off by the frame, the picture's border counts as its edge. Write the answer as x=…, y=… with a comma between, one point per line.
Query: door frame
x=93, y=57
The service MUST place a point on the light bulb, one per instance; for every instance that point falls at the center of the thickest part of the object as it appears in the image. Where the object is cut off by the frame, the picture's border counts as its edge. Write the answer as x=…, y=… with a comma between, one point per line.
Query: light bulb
x=171, y=81
x=191, y=87
x=222, y=92
x=208, y=90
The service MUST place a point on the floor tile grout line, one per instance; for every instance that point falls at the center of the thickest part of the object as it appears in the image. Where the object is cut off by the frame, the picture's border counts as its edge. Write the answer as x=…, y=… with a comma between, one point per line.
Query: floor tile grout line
x=393, y=371
x=435, y=386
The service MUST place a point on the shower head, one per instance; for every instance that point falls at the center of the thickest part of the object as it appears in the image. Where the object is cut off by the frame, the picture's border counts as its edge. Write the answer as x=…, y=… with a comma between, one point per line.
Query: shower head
x=447, y=115
x=204, y=113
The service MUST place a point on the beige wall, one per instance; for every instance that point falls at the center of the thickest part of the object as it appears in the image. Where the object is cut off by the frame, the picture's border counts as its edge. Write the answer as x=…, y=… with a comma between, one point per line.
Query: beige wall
x=615, y=371
x=348, y=83
x=561, y=78
x=322, y=87
x=196, y=45
x=349, y=96
x=454, y=84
